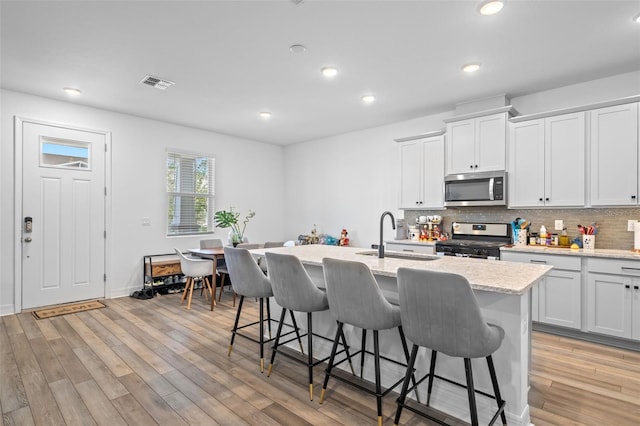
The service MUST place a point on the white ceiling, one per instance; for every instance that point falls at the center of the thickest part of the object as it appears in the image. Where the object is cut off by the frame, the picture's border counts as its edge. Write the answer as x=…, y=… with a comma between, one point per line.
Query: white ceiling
x=231, y=59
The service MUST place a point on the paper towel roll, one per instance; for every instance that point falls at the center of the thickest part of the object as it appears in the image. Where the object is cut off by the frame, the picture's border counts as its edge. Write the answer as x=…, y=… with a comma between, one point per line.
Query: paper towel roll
x=636, y=236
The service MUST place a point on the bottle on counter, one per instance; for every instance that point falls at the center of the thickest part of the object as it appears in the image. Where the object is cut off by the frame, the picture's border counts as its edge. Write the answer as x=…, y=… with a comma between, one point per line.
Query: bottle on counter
x=543, y=235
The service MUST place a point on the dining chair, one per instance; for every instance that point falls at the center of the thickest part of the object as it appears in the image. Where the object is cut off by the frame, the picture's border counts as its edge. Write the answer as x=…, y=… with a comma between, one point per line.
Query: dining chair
x=195, y=270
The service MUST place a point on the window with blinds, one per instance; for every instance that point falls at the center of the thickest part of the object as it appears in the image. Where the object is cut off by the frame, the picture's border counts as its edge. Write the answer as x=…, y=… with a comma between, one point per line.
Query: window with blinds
x=190, y=193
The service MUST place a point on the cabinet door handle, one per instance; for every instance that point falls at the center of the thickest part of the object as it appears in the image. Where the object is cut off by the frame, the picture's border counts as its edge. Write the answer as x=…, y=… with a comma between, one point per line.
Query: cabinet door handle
x=476, y=166
x=471, y=166
x=407, y=250
x=546, y=199
x=543, y=262
x=627, y=286
x=633, y=197
x=540, y=198
x=626, y=268
x=635, y=287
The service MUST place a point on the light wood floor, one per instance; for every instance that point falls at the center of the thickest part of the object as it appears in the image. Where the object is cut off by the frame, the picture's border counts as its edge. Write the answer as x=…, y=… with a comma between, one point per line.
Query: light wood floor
x=142, y=362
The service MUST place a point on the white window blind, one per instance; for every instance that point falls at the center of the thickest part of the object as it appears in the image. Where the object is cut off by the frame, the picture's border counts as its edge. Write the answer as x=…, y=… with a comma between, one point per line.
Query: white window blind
x=190, y=193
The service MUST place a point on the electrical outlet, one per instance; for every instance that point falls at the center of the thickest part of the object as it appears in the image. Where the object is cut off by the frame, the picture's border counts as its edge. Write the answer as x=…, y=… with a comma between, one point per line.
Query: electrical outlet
x=559, y=225
x=630, y=224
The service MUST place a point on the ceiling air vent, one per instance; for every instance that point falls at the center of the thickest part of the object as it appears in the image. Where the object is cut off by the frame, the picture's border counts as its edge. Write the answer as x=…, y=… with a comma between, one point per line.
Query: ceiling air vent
x=157, y=82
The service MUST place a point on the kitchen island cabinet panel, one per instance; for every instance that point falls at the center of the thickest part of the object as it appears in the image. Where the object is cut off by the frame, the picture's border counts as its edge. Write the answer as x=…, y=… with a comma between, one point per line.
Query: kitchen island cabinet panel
x=614, y=156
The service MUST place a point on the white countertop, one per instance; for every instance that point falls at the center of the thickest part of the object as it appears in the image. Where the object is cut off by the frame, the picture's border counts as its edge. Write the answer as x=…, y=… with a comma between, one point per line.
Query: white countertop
x=485, y=275
x=607, y=253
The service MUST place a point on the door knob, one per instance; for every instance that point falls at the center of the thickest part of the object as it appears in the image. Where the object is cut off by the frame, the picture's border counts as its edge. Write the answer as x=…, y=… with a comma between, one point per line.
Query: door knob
x=27, y=240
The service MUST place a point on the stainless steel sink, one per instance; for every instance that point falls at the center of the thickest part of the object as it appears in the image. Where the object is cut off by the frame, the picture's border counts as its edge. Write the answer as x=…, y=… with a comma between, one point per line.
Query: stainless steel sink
x=396, y=255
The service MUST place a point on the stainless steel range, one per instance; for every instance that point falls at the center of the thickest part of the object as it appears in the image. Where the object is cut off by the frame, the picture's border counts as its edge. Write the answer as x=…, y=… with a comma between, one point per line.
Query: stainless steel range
x=478, y=240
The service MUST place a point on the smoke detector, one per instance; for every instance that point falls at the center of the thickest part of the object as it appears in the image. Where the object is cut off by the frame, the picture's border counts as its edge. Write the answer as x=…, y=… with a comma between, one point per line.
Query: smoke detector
x=157, y=82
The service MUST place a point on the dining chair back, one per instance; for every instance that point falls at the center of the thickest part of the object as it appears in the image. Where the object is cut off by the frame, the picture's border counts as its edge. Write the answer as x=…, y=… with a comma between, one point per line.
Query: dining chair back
x=195, y=270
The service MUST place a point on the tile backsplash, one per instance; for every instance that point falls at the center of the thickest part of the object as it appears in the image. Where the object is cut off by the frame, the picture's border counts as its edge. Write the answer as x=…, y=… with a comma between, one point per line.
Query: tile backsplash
x=612, y=233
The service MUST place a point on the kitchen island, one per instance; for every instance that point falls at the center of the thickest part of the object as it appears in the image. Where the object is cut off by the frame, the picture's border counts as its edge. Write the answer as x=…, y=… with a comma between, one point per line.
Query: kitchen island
x=502, y=290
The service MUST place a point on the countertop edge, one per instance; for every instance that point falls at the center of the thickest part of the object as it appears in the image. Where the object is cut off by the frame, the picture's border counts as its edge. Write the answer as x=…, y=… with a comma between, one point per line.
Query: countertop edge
x=604, y=253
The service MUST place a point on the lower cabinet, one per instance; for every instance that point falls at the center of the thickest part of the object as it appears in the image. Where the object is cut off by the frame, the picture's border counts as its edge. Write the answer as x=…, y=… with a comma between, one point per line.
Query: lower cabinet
x=613, y=298
x=417, y=247
x=558, y=297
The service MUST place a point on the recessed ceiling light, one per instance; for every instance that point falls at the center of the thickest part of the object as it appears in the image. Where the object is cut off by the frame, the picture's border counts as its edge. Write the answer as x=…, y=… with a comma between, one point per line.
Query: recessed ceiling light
x=491, y=7
x=636, y=18
x=329, y=71
x=265, y=115
x=471, y=68
x=72, y=91
x=297, y=48
x=367, y=99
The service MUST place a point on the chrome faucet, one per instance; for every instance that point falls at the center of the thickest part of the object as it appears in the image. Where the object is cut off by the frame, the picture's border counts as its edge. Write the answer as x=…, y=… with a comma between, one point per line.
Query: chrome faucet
x=393, y=224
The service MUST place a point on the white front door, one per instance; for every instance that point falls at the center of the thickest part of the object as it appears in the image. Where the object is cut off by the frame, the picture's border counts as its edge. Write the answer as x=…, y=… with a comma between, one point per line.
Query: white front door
x=63, y=205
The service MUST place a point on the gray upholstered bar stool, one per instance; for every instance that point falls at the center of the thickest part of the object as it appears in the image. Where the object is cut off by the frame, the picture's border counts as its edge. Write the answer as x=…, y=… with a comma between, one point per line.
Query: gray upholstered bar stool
x=355, y=299
x=440, y=312
x=248, y=280
x=294, y=290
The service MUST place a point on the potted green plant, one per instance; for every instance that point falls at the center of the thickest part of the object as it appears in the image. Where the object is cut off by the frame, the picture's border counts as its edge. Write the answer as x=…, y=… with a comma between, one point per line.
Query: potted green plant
x=229, y=219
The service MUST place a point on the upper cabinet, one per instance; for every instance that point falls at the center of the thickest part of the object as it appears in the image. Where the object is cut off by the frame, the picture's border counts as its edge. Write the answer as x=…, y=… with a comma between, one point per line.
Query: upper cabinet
x=546, y=162
x=422, y=171
x=615, y=156
x=477, y=143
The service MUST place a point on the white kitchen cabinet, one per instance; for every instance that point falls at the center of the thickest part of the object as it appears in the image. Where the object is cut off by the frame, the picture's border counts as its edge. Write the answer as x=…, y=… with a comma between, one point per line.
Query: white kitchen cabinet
x=477, y=144
x=559, y=294
x=422, y=173
x=614, y=176
x=613, y=297
x=546, y=162
x=417, y=247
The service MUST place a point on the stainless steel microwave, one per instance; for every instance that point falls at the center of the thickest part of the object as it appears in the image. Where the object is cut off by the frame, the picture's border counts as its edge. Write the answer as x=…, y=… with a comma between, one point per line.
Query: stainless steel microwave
x=476, y=189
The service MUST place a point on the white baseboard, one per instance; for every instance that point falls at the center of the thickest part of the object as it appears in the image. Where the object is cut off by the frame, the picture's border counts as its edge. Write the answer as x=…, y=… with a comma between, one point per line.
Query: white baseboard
x=7, y=310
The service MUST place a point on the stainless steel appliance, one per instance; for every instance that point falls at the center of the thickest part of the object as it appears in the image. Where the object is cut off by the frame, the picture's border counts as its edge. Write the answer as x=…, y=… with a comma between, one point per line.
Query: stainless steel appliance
x=476, y=189
x=477, y=240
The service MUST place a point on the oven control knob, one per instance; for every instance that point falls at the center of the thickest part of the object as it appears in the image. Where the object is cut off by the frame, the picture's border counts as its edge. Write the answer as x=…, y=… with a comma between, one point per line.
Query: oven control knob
x=481, y=252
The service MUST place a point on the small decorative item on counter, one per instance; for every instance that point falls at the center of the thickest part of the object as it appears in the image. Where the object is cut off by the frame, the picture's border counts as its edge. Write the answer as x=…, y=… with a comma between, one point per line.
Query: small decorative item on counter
x=344, y=241
x=519, y=231
x=588, y=236
x=533, y=239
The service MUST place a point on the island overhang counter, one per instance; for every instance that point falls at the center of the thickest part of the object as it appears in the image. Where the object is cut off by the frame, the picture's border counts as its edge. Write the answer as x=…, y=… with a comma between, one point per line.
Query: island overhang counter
x=502, y=291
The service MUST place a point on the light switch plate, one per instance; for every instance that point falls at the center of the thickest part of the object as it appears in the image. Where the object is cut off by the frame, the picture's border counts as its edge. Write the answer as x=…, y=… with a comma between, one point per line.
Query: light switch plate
x=559, y=225
x=630, y=224
x=146, y=221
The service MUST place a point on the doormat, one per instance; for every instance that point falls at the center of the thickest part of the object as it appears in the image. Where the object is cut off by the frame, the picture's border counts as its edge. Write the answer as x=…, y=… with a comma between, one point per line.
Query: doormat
x=67, y=309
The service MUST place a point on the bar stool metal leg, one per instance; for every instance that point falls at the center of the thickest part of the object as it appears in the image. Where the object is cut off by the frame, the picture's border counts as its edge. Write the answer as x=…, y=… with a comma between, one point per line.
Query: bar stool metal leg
x=364, y=345
x=331, y=359
x=432, y=371
x=309, y=353
x=405, y=384
x=471, y=392
x=496, y=390
x=376, y=354
x=235, y=325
